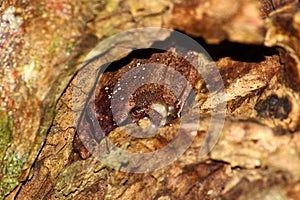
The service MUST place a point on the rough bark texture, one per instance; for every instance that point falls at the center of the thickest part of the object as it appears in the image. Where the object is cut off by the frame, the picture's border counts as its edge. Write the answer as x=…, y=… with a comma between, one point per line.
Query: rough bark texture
x=255, y=45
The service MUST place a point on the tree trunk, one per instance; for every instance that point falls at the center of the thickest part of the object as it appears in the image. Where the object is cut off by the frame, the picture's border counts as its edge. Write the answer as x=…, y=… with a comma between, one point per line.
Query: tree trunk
x=49, y=141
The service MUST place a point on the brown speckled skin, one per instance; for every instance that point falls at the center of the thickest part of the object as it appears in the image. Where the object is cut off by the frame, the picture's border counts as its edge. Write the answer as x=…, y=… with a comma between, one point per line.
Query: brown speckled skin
x=141, y=100
x=98, y=120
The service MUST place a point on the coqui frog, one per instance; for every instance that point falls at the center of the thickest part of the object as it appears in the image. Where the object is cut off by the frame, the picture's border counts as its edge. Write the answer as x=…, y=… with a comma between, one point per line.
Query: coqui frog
x=151, y=104
x=152, y=100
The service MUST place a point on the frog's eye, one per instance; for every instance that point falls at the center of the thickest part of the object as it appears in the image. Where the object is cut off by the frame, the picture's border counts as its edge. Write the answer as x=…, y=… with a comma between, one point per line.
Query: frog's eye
x=171, y=108
x=158, y=114
x=160, y=108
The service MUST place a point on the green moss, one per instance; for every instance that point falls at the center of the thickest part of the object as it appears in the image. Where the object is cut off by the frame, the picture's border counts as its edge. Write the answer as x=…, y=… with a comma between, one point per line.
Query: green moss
x=11, y=170
x=6, y=125
x=55, y=44
x=42, y=132
x=70, y=45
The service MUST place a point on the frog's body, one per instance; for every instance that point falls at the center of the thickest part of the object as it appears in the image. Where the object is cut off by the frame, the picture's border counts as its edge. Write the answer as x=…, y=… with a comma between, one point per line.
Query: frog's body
x=161, y=100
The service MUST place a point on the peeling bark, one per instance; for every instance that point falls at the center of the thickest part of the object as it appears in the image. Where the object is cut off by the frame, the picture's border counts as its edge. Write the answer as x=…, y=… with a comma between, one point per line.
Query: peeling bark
x=255, y=45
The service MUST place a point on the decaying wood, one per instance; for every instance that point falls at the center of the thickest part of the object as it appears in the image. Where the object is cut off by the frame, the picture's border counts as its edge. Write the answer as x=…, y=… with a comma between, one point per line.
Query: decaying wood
x=255, y=45
x=237, y=21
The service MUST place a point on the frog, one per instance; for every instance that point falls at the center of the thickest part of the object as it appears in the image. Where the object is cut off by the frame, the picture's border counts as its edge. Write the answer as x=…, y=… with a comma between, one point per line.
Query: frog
x=154, y=101
x=151, y=103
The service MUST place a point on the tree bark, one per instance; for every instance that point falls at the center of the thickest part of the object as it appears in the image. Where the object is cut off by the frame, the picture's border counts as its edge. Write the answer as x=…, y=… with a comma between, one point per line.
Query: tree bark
x=255, y=46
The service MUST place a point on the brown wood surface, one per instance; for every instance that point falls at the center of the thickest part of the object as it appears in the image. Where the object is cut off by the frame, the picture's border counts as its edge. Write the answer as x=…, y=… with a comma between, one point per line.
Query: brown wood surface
x=255, y=46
